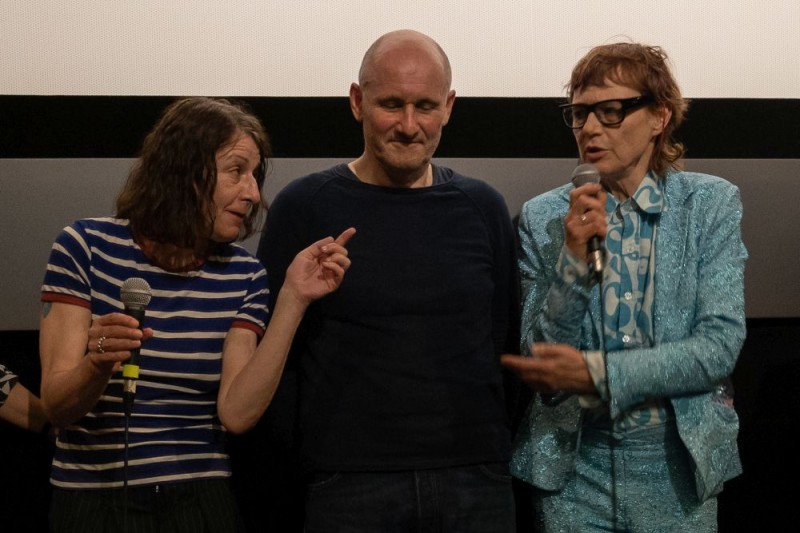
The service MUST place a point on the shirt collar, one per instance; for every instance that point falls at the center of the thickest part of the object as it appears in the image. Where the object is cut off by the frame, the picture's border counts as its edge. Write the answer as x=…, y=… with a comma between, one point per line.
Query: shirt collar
x=648, y=197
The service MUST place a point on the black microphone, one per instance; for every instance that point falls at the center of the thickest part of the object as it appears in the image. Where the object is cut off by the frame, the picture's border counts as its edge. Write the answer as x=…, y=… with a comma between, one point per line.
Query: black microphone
x=135, y=295
x=583, y=174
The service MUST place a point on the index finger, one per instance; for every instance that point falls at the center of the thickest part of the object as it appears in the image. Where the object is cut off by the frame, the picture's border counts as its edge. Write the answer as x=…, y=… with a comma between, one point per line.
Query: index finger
x=345, y=236
x=543, y=350
x=589, y=188
x=513, y=360
x=117, y=319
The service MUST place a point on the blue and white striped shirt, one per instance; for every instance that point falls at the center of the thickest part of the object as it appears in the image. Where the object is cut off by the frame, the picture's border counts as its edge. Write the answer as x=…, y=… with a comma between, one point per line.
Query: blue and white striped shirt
x=175, y=433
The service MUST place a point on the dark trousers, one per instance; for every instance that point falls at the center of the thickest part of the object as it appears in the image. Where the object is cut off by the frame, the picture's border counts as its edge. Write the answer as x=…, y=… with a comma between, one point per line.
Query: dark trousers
x=204, y=506
x=469, y=499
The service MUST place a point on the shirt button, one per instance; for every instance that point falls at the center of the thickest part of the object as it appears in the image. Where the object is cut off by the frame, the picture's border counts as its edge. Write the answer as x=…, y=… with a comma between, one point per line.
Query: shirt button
x=628, y=296
x=626, y=339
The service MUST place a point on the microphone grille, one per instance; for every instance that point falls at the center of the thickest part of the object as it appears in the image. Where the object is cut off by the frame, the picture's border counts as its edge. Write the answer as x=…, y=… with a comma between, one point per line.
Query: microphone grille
x=135, y=292
x=585, y=173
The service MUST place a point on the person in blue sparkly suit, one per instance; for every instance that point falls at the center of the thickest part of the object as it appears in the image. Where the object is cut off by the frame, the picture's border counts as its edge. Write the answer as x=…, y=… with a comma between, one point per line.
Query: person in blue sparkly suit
x=634, y=427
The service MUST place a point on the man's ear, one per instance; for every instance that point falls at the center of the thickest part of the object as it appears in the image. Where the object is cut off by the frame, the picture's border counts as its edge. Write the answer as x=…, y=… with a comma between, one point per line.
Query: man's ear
x=448, y=104
x=356, y=98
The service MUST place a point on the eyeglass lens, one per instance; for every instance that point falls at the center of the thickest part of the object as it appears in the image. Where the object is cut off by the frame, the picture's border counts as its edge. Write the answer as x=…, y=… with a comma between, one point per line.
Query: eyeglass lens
x=608, y=113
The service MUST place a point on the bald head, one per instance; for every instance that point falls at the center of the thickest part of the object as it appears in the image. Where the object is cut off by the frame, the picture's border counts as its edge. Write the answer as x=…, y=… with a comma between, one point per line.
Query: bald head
x=402, y=40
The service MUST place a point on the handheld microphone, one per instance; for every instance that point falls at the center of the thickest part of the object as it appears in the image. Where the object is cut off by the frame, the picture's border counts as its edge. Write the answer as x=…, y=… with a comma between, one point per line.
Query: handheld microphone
x=135, y=295
x=583, y=174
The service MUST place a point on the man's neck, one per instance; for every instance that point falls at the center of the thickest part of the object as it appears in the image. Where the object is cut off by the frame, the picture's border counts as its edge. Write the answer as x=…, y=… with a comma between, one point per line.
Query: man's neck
x=368, y=174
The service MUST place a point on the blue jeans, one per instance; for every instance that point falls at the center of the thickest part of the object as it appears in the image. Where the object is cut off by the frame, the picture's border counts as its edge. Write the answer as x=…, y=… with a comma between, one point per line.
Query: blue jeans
x=466, y=499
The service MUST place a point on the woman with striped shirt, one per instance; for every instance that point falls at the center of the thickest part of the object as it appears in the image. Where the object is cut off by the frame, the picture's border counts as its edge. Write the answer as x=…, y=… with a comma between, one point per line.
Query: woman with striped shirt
x=194, y=191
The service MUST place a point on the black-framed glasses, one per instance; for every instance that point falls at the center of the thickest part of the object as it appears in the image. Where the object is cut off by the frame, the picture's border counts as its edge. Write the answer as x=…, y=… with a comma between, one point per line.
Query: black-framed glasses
x=608, y=112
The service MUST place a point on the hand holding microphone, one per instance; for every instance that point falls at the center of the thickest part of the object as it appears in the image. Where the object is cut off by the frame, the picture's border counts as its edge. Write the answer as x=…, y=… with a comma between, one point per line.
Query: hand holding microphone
x=135, y=295
x=588, y=213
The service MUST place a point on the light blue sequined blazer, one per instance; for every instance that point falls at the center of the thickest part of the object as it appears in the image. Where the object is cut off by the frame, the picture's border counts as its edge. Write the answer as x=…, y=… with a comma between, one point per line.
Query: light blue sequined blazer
x=698, y=321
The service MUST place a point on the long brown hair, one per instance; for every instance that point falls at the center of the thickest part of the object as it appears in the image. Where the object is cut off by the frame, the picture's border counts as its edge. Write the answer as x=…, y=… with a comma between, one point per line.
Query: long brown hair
x=646, y=69
x=168, y=197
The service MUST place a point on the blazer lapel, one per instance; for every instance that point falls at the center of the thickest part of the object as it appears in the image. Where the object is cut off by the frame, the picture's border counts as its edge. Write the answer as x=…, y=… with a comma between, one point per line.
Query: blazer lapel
x=671, y=240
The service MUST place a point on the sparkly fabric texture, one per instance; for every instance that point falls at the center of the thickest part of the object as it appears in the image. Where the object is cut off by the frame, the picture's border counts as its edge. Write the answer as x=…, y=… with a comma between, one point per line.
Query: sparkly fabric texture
x=651, y=488
x=628, y=296
x=698, y=329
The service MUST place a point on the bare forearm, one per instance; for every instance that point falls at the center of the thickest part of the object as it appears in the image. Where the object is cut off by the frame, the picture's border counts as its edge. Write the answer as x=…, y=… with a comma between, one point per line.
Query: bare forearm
x=24, y=409
x=253, y=387
x=72, y=380
x=250, y=374
x=68, y=395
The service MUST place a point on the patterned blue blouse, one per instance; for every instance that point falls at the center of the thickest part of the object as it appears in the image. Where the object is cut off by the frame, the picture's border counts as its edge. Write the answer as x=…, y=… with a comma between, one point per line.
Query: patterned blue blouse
x=627, y=297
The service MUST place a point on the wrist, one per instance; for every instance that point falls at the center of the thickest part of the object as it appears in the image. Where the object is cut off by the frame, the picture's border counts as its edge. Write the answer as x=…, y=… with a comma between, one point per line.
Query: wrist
x=292, y=299
x=100, y=369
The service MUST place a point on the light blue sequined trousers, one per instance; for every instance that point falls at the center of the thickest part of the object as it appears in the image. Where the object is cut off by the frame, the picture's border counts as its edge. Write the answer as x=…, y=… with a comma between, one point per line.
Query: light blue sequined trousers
x=640, y=481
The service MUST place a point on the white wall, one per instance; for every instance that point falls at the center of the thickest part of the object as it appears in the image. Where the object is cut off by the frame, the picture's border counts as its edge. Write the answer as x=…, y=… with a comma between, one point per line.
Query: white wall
x=519, y=48
x=719, y=48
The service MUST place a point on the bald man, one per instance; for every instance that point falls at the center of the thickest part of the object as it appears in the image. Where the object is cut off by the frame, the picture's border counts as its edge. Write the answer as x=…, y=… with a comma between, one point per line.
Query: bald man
x=401, y=416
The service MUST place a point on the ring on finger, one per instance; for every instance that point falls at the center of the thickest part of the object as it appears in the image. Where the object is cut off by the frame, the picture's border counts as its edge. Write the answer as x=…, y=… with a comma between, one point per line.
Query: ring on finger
x=100, y=344
x=583, y=218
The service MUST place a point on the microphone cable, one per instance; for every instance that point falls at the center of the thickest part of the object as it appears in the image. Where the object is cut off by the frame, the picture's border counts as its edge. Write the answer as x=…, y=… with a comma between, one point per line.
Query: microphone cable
x=612, y=462
x=135, y=294
x=125, y=475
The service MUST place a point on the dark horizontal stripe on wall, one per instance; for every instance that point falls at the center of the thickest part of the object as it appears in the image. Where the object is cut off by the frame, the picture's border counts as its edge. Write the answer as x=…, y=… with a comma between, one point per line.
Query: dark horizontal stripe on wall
x=114, y=126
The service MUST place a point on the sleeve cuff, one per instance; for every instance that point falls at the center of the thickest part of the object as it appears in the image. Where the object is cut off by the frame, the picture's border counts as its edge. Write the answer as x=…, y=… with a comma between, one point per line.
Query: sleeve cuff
x=595, y=362
x=570, y=268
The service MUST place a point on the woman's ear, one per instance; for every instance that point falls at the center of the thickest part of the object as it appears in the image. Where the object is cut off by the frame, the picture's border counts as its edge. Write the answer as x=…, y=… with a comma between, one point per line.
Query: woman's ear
x=659, y=120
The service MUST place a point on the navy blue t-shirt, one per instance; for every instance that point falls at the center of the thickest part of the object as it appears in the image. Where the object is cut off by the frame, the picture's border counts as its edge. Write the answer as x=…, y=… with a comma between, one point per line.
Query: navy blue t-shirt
x=399, y=368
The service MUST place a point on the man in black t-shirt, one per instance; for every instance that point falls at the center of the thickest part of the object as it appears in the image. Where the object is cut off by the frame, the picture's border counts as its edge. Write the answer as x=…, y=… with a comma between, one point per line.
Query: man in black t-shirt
x=401, y=416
